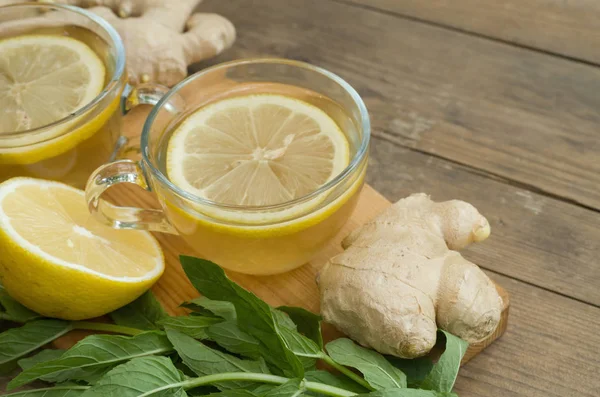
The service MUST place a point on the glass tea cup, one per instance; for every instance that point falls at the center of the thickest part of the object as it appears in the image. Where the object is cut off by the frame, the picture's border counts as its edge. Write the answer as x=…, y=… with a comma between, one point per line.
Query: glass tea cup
x=68, y=150
x=257, y=240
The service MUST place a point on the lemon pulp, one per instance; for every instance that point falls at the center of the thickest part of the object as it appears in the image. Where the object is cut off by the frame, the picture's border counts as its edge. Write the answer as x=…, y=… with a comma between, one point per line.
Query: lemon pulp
x=60, y=262
x=256, y=150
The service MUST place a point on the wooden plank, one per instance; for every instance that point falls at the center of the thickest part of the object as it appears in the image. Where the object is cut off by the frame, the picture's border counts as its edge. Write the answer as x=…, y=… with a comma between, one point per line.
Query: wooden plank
x=524, y=116
x=549, y=350
x=569, y=28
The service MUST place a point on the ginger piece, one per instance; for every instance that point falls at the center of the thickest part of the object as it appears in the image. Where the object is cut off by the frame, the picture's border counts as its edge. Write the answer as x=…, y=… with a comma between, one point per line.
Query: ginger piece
x=158, y=50
x=399, y=279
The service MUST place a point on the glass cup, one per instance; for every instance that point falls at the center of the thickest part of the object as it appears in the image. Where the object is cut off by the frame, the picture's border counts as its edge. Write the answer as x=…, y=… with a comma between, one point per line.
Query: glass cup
x=69, y=149
x=255, y=240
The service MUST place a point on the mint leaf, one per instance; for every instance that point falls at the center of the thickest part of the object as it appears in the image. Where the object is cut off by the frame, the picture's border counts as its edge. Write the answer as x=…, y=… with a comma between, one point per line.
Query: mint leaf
x=143, y=313
x=19, y=342
x=146, y=376
x=444, y=372
x=194, y=326
x=407, y=393
x=93, y=356
x=291, y=388
x=305, y=349
x=14, y=310
x=330, y=379
x=308, y=323
x=57, y=391
x=283, y=320
x=41, y=357
x=221, y=309
x=206, y=361
x=416, y=369
x=378, y=372
x=230, y=337
x=254, y=316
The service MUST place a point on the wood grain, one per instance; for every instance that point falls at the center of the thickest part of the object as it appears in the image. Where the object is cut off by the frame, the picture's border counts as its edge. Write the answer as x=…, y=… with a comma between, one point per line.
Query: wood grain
x=524, y=116
x=569, y=28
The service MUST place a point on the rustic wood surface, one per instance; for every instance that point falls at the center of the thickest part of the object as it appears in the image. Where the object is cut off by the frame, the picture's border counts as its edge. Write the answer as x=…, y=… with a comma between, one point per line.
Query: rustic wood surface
x=510, y=129
x=496, y=103
x=564, y=28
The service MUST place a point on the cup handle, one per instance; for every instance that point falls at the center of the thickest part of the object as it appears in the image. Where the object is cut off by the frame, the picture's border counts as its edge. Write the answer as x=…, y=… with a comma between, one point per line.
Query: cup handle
x=132, y=96
x=117, y=172
x=142, y=94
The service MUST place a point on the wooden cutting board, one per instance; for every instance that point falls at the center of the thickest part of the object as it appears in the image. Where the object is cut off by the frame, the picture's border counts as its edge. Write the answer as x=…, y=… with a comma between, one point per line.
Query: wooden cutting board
x=296, y=288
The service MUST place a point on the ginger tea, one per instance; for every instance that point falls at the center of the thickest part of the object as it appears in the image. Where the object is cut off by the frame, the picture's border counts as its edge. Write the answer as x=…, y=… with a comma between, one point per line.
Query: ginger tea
x=254, y=149
x=47, y=74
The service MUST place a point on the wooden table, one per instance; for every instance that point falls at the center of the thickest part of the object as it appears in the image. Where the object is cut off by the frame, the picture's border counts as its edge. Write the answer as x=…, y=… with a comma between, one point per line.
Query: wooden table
x=493, y=102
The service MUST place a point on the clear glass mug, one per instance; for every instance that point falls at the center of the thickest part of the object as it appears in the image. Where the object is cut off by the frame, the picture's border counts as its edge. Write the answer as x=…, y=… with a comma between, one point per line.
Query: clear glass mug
x=252, y=240
x=69, y=149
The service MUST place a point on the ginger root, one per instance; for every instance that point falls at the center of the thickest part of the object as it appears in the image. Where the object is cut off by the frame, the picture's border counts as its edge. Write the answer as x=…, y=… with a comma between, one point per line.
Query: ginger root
x=158, y=49
x=399, y=279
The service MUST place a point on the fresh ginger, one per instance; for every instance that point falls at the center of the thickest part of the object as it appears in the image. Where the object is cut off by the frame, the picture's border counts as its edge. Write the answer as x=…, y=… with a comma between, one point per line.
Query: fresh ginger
x=399, y=279
x=158, y=49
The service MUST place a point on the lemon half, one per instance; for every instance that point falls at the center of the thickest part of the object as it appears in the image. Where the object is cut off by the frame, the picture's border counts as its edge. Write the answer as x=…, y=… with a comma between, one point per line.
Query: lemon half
x=58, y=261
x=44, y=79
x=256, y=150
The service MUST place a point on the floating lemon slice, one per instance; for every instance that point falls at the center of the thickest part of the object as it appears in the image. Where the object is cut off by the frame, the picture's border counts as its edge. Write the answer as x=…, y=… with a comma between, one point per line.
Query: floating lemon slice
x=57, y=260
x=256, y=150
x=44, y=79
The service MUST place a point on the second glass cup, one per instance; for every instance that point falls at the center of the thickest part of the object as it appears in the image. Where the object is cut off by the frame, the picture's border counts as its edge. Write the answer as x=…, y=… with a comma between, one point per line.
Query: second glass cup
x=255, y=240
x=68, y=149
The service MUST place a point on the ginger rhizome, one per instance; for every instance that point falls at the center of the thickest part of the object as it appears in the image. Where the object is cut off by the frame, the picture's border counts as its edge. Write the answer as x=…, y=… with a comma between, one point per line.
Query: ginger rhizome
x=399, y=279
x=161, y=38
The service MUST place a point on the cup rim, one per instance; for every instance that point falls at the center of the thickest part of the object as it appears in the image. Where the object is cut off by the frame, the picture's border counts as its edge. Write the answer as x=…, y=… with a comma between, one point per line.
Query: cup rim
x=117, y=43
x=349, y=170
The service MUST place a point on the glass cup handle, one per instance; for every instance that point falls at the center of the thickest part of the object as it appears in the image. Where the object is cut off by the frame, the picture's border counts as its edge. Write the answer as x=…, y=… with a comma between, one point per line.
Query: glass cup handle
x=142, y=94
x=117, y=172
x=132, y=96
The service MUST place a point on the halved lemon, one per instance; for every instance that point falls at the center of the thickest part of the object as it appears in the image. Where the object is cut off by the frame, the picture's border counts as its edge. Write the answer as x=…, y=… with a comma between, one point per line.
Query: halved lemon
x=58, y=261
x=44, y=79
x=256, y=150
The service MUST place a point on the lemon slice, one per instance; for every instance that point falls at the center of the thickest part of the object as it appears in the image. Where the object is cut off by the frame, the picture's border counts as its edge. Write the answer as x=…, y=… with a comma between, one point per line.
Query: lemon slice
x=57, y=260
x=44, y=79
x=256, y=150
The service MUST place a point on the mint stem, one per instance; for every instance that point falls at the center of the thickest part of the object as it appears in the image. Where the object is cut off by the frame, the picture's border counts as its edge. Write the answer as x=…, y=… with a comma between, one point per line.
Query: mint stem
x=347, y=372
x=117, y=329
x=263, y=378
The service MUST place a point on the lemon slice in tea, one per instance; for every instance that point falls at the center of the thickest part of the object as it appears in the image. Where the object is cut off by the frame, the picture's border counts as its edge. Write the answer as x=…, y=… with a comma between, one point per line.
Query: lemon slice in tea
x=256, y=150
x=60, y=262
x=44, y=79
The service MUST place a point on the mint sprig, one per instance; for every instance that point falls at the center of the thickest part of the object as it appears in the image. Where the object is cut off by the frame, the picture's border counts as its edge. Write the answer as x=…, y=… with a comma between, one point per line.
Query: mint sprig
x=232, y=344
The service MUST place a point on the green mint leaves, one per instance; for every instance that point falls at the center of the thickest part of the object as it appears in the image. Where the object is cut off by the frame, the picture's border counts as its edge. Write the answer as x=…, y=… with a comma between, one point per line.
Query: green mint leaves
x=378, y=372
x=254, y=315
x=232, y=344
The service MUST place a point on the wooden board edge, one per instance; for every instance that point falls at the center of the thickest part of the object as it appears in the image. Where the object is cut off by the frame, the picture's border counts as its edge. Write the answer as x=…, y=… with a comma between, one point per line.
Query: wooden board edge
x=476, y=348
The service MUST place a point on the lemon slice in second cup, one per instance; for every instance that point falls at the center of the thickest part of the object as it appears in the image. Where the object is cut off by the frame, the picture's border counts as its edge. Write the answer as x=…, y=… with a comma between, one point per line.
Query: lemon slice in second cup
x=256, y=150
x=60, y=262
x=44, y=79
